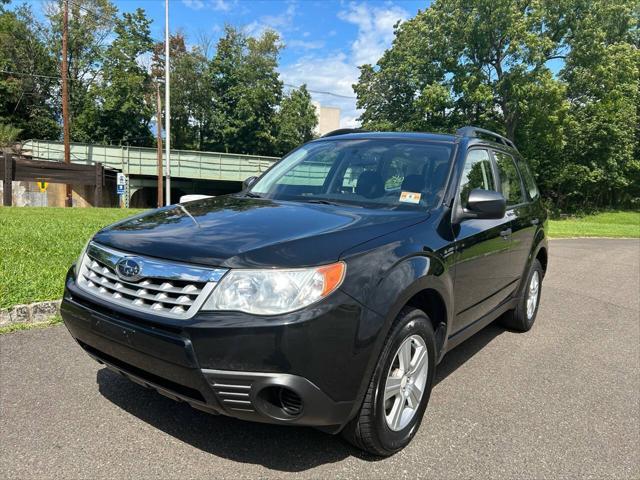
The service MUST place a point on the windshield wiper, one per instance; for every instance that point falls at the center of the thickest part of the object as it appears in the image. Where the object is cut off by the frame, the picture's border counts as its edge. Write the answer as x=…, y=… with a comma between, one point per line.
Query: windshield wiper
x=252, y=195
x=322, y=201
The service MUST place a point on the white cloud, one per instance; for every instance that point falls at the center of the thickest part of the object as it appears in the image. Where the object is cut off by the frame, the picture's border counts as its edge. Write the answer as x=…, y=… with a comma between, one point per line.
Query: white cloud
x=218, y=5
x=194, y=4
x=305, y=45
x=334, y=74
x=337, y=72
x=375, y=29
x=222, y=5
x=278, y=23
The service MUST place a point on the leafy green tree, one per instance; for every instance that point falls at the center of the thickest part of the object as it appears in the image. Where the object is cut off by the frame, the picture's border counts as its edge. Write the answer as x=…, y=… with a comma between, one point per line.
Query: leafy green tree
x=461, y=62
x=486, y=63
x=121, y=107
x=602, y=75
x=8, y=135
x=246, y=92
x=296, y=121
x=26, y=94
x=91, y=24
x=191, y=92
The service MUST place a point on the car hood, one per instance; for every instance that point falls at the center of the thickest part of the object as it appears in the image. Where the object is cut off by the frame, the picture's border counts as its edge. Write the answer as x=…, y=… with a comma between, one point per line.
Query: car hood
x=241, y=232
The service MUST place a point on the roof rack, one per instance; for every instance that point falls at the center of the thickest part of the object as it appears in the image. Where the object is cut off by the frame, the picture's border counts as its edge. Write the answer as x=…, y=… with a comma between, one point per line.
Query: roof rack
x=476, y=132
x=342, y=131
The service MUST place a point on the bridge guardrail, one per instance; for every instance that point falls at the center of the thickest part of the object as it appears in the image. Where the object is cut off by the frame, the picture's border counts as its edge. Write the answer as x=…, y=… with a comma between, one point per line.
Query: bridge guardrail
x=143, y=161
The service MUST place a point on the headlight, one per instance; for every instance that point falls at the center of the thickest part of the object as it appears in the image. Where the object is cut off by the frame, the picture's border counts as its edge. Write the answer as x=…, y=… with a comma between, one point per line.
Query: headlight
x=82, y=254
x=274, y=292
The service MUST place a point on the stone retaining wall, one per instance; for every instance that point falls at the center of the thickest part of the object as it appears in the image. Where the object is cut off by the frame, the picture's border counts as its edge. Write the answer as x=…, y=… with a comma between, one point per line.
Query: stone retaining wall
x=31, y=313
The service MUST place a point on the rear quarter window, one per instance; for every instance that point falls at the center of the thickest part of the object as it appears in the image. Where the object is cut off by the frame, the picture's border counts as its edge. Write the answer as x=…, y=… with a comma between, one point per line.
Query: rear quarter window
x=510, y=183
x=529, y=179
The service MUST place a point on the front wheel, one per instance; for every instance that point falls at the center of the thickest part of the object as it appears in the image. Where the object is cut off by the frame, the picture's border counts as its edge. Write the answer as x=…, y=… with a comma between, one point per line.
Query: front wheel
x=399, y=390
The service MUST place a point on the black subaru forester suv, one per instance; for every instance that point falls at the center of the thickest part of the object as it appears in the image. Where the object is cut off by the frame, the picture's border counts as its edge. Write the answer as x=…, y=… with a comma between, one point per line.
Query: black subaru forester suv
x=327, y=291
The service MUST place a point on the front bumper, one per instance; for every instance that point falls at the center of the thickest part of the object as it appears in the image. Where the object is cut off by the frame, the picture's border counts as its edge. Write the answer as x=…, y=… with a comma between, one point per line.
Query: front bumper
x=306, y=369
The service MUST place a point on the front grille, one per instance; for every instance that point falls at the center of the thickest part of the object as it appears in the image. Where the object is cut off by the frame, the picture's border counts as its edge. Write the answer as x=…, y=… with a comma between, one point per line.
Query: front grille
x=163, y=288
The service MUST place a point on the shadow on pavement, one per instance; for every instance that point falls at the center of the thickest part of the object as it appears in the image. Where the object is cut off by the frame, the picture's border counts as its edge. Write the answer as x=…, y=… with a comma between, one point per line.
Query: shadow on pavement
x=282, y=448
x=457, y=357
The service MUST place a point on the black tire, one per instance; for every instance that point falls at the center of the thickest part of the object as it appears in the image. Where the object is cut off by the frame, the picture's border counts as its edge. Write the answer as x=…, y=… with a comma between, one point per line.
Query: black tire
x=517, y=319
x=369, y=430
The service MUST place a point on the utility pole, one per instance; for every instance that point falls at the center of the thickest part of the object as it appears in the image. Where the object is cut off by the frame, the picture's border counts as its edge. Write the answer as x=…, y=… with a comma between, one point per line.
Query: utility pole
x=167, y=101
x=159, y=141
x=64, y=72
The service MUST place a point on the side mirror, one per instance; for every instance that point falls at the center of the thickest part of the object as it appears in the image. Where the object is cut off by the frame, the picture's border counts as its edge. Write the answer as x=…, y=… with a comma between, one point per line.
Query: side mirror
x=249, y=182
x=485, y=204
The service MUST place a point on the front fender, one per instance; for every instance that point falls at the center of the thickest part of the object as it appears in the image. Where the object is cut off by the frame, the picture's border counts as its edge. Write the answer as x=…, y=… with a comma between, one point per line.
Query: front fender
x=389, y=291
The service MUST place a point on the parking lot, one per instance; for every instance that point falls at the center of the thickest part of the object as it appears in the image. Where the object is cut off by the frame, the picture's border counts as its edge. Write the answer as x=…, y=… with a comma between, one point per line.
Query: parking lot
x=559, y=401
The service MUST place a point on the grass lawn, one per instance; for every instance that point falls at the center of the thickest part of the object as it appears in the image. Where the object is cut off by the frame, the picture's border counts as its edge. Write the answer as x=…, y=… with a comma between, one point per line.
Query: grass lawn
x=38, y=245
x=607, y=224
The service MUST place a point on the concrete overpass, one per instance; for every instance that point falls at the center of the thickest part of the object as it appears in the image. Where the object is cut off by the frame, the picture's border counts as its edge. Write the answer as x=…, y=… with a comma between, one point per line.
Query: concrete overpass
x=210, y=173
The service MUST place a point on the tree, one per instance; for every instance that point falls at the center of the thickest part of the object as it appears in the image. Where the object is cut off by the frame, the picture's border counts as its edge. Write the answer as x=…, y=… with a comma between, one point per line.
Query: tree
x=461, y=62
x=26, y=94
x=8, y=135
x=121, y=106
x=191, y=92
x=246, y=91
x=602, y=75
x=91, y=24
x=486, y=63
x=296, y=121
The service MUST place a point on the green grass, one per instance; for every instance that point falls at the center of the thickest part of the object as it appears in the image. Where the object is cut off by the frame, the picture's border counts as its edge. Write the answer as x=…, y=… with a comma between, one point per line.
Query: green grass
x=18, y=327
x=606, y=224
x=38, y=245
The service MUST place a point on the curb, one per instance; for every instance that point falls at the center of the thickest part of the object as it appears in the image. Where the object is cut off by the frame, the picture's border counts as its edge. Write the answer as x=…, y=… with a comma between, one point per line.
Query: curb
x=38, y=312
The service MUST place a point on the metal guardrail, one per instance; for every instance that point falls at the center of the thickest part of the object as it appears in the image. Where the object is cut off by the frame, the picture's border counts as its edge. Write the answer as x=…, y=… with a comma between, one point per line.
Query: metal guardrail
x=143, y=161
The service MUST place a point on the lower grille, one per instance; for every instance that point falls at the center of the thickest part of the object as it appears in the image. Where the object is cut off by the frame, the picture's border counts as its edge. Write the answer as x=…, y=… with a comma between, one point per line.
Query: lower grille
x=233, y=396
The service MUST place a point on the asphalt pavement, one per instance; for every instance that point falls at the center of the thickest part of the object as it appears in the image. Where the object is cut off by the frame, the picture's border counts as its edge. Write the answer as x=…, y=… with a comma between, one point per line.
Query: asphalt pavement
x=562, y=401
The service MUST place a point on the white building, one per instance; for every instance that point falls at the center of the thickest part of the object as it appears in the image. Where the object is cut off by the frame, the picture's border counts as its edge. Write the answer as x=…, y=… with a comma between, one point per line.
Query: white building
x=328, y=118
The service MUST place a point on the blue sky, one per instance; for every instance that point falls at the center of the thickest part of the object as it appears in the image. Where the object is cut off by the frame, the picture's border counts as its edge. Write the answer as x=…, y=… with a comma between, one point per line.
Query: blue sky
x=324, y=41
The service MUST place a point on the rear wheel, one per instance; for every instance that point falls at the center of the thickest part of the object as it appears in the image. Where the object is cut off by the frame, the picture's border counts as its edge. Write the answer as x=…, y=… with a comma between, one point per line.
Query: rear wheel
x=521, y=318
x=399, y=391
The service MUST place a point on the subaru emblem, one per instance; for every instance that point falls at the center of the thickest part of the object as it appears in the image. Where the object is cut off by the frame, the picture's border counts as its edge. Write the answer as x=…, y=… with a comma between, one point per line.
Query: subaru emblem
x=129, y=269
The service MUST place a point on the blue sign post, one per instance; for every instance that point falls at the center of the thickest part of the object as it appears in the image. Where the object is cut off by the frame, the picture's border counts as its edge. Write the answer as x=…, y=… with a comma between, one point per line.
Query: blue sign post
x=121, y=189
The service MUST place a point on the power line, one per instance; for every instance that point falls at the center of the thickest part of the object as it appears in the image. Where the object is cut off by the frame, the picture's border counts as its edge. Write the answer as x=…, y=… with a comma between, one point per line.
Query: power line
x=25, y=74
x=321, y=92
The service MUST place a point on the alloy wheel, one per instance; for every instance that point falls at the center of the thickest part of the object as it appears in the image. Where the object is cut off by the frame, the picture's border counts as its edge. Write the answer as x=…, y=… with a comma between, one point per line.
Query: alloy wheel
x=406, y=382
x=532, y=294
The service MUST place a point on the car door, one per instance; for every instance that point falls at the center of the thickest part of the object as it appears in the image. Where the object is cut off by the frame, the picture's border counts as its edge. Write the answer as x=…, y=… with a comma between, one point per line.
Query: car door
x=482, y=270
x=519, y=210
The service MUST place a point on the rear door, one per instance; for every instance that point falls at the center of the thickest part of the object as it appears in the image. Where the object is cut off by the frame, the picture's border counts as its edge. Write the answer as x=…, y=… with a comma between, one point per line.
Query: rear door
x=482, y=265
x=519, y=210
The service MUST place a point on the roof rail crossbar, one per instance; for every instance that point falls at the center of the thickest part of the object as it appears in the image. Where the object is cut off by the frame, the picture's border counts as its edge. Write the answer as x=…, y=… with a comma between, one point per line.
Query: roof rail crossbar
x=475, y=131
x=342, y=131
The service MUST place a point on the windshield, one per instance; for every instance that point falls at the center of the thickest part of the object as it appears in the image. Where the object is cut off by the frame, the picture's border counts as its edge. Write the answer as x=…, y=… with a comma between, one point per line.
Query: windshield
x=369, y=173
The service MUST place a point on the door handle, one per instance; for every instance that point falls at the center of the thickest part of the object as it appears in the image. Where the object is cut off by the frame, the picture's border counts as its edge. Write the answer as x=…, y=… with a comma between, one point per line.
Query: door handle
x=506, y=233
x=535, y=221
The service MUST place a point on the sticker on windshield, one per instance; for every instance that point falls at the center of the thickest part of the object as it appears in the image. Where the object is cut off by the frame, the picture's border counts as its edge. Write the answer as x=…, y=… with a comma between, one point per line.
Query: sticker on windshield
x=410, y=197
